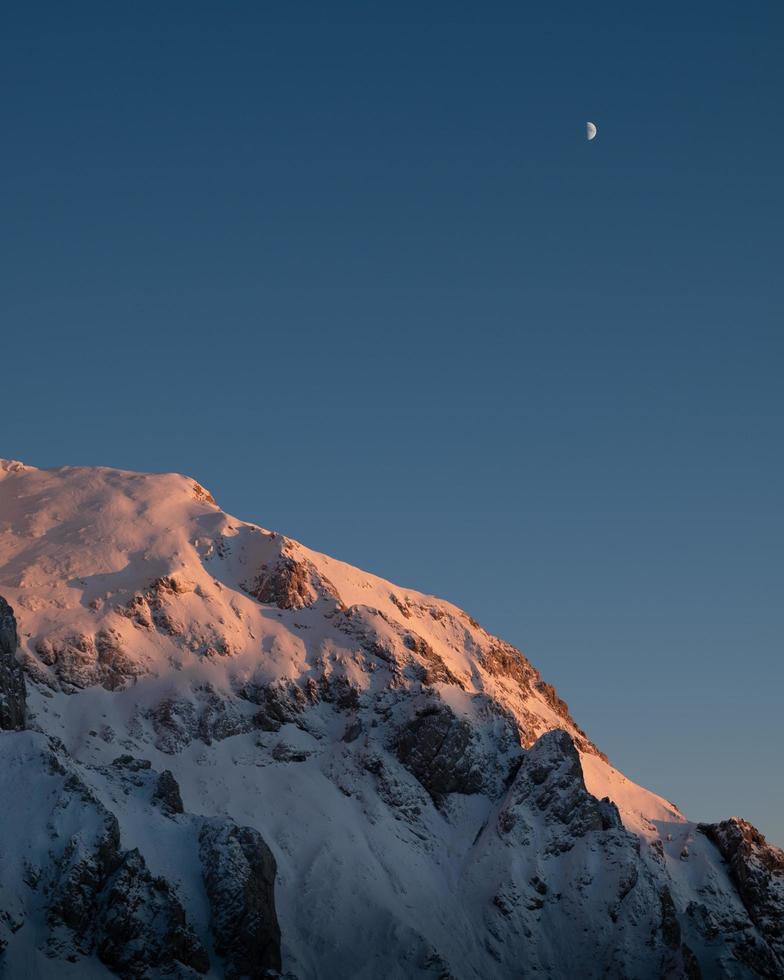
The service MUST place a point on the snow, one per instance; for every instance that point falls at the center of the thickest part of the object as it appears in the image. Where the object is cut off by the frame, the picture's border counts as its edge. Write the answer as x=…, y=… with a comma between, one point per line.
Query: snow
x=373, y=878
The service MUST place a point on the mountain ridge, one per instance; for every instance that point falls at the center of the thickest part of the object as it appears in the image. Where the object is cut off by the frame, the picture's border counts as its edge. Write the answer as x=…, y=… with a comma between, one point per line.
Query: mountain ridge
x=405, y=769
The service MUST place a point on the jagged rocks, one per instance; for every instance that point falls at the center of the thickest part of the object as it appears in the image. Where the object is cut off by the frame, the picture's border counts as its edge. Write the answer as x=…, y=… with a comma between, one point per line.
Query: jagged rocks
x=109, y=902
x=142, y=926
x=679, y=962
x=286, y=585
x=13, y=709
x=106, y=900
x=550, y=779
x=291, y=581
x=78, y=878
x=159, y=609
x=380, y=710
x=550, y=695
x=502, y=659
x=162, y=788
x=239, y=875
x=206, y=717
x=151, y=609
x=116, y=666
x=79, y=660
x=757, y=869
x=670, y=927
x=436, y=746
x=166, y=794
x=278, y=704
x=432, y=666
x=203, y=495
x=76, y=892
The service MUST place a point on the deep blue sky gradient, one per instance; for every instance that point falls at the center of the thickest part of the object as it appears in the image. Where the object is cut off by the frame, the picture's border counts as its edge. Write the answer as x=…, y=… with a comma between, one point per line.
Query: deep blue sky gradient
x=355, y=268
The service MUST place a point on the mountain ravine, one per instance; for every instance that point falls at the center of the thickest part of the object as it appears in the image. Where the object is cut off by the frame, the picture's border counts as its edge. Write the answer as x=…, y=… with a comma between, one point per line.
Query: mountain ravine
x=225, y=755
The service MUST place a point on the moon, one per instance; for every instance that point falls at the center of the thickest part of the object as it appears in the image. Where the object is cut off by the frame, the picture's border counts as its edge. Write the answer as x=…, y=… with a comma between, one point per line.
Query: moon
x=590, y=130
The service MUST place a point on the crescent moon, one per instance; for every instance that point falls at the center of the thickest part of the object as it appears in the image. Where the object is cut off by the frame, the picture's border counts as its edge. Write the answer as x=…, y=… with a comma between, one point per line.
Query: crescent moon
x=590, y=130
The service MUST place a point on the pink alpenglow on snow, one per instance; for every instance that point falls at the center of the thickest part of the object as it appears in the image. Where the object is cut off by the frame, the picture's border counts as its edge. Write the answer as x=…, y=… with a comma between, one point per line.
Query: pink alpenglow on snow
x=230, y=755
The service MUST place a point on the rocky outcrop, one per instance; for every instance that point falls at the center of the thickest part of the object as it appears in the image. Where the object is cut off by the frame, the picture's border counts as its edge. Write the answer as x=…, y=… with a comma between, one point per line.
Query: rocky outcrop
x=286, y=584
x=550, y=779
x=436, y=747
x=166, y=794
x=291, y=582
x=95, y=898
x=105, y=900
x=565, y=857
x=239, y=876
x=502, y=659
x=206, y=716
x=278, y=704
x=141, y=925
x=79, y=660
x=757, y=869
x=12, y=683
x=679, y=961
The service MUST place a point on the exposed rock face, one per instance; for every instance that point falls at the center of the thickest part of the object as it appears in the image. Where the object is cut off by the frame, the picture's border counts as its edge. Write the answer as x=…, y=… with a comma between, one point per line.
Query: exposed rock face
x=91, y=898
x=12, y=683
x=239, y=874
x=141, y=925
x=278, y=704
x=167, y=794
x=502, y=659
x=758, y=871
x=286, y=585
x=436, y=747
x=204, y=715
x=551, y=779
x=79, y=660
x=106, y=900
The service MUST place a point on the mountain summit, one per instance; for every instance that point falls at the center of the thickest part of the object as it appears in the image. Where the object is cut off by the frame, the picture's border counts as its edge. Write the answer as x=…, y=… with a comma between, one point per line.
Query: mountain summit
x=226, y=755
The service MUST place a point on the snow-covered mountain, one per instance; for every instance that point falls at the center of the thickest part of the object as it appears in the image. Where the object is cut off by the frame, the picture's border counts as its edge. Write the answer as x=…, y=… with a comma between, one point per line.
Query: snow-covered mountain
x=225, y=755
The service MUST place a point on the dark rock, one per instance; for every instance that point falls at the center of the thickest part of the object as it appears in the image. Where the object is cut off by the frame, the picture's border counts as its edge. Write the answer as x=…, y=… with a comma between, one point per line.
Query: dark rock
x=141, y=924
x=239, y=875
x=286, y=753
x=219, y=717
x=757, y=870
x=551, y=778
x=670, y=927
x=80, y=660
x=80, y=875
x=131, y=763
x=551, y=697
x=105, y=899
x=278, y=705
x=291, y=583
x=13, y=705
x=691, y=966
x=539, y=885
x=506, y=661
x=353, y=730
x=207, y=717
x=285, y=585
x=434, y=670
x=115, y=666
x=176, y=724
x=166, y=794
x=436, y=746
x=403, y=605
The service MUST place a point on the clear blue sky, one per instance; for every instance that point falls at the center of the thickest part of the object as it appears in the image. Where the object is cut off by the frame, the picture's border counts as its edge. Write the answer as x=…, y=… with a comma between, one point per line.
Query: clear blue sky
x=355, y=268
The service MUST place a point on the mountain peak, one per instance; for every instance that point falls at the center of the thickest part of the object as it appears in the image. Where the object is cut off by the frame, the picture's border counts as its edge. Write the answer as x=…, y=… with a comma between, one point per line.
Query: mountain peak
x=242, y=715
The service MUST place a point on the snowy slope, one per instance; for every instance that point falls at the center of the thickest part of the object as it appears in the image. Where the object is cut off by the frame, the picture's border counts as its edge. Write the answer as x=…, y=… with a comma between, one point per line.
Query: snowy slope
x=430, y=806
